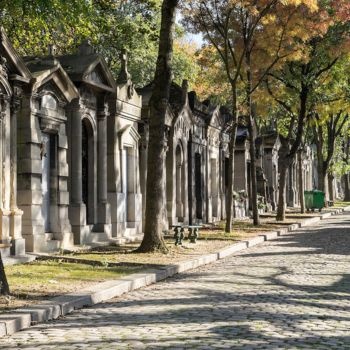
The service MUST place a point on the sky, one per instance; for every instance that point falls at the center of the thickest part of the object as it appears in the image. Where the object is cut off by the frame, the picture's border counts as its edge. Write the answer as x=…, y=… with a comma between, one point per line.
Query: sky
x=195, y=38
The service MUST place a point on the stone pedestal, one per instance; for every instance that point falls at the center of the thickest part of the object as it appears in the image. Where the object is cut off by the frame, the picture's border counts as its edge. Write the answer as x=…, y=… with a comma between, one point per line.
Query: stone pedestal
x=18, y=243
x=104, y=219
x=18, y=246
x=77, y=215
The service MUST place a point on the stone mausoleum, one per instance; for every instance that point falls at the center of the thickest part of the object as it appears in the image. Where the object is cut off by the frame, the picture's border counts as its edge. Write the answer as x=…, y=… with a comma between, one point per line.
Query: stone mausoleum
x=73, y=154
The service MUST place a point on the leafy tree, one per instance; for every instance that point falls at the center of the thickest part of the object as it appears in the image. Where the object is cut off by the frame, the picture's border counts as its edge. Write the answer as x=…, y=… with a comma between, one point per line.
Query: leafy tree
x=332, y=105
x=235, y=29
x=111, y=25
x=293, y=86
x=344, y=169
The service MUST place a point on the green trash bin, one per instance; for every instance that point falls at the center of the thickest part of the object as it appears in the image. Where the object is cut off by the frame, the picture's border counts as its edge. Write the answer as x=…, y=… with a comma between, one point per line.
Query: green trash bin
x=318, y=200
x=308, y=200
x=314, y=200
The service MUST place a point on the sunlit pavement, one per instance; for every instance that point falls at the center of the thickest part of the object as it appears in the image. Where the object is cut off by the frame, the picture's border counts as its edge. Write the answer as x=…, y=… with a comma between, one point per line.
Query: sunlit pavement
x=290, y=293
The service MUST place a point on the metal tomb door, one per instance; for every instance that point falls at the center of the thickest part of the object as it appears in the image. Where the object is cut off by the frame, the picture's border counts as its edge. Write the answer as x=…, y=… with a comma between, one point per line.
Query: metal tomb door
x=45, y=180
x=85, y=168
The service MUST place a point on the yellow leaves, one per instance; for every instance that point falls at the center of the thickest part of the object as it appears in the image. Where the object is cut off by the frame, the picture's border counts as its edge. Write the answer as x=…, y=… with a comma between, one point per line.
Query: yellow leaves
x=312, y=5
x=269, y=19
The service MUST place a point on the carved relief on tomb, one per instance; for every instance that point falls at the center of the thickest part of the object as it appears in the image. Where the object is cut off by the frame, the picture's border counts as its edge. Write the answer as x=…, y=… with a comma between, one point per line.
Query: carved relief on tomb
x=96, y=77
x=216, y=121
x=16, y=98
x=213, y=137
x=48, y=106
x=4, y=102
x=49, y=102
x=88, y=98
x=182, y=127
x=3, y=67
x=49, y=96
x=5, y=89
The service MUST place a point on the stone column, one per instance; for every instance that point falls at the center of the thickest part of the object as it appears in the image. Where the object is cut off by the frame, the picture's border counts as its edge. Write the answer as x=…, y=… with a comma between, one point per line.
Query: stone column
x=76, y=161
x=77, y=209
x=143, y=171
x=104, y=216
x=18, y=243
x=13, y=154
x=2, y=141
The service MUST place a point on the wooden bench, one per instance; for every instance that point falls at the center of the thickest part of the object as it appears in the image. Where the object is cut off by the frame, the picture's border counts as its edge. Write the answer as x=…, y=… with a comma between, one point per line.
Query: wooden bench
x=179, y=233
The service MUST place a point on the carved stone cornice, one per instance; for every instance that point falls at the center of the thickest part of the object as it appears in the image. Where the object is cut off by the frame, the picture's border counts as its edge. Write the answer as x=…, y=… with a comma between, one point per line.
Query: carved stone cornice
x=3, y=67
x=16, y=98
x=4, y=103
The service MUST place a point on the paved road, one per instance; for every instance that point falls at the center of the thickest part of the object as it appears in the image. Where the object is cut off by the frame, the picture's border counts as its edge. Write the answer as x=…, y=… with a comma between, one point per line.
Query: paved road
x=290, y=293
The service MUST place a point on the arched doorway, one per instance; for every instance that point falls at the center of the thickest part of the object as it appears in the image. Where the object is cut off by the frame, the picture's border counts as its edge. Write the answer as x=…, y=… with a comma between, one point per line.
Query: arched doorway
x=214, y=187
x=179, y=178
x=198, y=185
x=88, y=178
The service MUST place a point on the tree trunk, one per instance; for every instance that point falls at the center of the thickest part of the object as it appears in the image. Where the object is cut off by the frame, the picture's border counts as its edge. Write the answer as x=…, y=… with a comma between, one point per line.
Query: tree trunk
x=346, y=188
x=331, y=187
x=4, y=286
x=288, y=156
x=281, y=208
x=252, y=152
x=320, y=177
x=322, y=180
x=251, y=128
x=157, y=144
x=301, y=183
x=232, y=143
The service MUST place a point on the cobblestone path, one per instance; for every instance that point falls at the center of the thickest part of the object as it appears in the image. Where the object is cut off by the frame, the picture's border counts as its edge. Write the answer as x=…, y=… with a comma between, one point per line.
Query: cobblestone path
x=290, y=293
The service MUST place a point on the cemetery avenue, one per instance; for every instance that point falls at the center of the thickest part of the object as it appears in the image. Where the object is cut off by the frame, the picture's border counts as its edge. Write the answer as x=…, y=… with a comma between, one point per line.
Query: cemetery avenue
x=288, y=293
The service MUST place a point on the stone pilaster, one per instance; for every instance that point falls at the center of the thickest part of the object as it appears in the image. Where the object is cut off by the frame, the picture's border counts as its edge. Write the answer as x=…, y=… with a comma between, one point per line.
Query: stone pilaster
x=143, y=171
x=104, y=215
x=77, y=209
x=18, y=243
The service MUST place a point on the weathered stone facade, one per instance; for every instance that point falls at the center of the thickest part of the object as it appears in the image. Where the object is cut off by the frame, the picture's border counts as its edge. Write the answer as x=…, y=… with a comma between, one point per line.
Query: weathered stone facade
x=271, y=145
x=14, y=79
x=42, y=156
x=89, y=209
x=73, y=155
x=123, y=160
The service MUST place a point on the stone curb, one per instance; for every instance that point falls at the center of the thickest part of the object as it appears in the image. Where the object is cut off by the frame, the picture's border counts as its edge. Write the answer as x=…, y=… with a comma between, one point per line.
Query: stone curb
x=62, y=305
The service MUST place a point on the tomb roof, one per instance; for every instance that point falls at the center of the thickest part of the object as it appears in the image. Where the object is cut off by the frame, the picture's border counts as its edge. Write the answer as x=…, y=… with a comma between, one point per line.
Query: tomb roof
x=89, y=67
x=12, y=62
x=44, y=69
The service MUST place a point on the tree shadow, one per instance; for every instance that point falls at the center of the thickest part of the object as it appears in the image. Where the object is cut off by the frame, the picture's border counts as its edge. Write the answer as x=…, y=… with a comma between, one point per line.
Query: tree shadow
x=254, y=300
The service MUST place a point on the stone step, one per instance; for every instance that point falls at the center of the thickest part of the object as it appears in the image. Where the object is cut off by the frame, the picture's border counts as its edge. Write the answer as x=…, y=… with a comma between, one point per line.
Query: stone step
x=49, y=236
x=20, y=259
x=52, y=245
x=5, y=249
x=97, y=237
x=118, y=241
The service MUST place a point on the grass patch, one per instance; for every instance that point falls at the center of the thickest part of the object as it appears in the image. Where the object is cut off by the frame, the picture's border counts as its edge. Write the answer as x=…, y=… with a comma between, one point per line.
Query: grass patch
x=341, y=204
x=41, y=279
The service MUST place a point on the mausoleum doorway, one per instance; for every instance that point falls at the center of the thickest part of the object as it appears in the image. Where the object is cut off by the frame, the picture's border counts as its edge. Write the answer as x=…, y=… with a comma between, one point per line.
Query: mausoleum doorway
x=198, y=185
x=88, y=169
x=179, y=178
x=47, y=162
